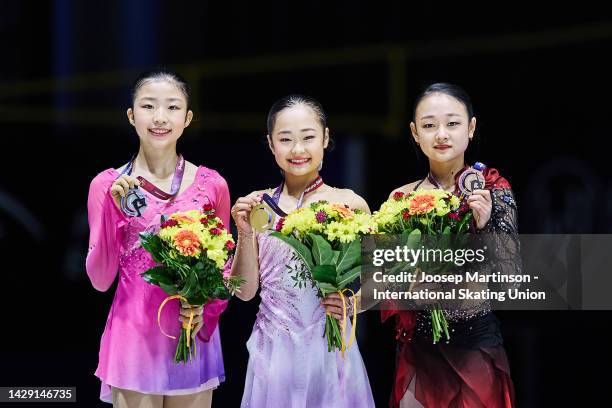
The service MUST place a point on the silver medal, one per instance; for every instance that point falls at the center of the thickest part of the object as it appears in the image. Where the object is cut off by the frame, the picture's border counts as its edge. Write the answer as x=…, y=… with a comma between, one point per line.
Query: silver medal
x=134, y=203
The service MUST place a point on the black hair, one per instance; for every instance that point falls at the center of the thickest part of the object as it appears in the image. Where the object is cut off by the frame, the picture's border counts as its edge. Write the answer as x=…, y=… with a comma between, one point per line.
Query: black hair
x=161, y=75
x=294, y=100
x=447, y=89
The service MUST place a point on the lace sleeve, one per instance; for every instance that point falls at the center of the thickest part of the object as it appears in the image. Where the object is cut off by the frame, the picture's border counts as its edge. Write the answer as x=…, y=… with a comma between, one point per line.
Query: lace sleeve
x=502, y=236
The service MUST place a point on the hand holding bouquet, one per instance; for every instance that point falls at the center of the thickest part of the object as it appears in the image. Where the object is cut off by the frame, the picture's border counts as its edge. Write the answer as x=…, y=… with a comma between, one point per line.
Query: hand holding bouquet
x=191, y=249
x=426, y=218
x=327, y=238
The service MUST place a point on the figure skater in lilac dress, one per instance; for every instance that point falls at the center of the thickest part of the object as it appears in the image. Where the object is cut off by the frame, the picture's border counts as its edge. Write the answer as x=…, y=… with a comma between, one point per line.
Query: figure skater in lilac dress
x=289, y=363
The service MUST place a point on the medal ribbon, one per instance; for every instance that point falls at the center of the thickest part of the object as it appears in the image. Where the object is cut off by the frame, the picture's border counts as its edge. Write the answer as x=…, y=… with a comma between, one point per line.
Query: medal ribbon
x=316, y=183
x=273, y=201
x=179, y=171
x=434, y=181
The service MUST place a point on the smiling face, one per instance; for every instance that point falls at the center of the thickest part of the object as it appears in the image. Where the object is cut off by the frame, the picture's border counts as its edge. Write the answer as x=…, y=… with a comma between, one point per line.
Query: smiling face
x=442, y=128
x=298, y=140
x=159, y=114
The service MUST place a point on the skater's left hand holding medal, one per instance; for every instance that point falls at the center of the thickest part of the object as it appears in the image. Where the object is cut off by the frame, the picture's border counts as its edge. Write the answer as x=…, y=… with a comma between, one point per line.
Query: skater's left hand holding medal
x=122, y=185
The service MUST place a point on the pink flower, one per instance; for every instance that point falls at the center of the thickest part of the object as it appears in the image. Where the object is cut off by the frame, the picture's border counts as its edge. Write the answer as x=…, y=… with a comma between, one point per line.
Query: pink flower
x=398, y=195
x=214, y=231
x=230, y=245
x=321, y=217
x=208, y=207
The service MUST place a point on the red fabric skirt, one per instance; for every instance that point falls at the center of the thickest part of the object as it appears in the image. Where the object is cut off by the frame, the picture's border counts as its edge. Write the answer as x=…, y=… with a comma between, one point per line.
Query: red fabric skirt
x=447, y=375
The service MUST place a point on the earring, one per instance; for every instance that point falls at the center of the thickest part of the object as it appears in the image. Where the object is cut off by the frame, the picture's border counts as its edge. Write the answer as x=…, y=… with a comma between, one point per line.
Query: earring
x=320, y=165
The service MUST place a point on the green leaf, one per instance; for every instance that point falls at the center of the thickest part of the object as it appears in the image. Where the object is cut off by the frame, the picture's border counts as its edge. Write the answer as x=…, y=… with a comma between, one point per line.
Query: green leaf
x=189, y=287
x=464, y=222
x=301, y=249
x=414, y=239
x=350, y=255
x=348, y=277
x=169, y=289
x=326, y=288
x=152, y=244
x=157, y=275
x=325, y=273
x=197, y=299
x=321, y=250
x=335, y=258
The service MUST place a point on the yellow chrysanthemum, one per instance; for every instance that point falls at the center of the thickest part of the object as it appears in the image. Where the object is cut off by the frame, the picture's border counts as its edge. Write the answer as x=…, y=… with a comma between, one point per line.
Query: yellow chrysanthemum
x=442, y=211
x=454, y=202
x=218, y=256
x=333, y=230
x=442, y=208
x=301, y=221
x=168, y=233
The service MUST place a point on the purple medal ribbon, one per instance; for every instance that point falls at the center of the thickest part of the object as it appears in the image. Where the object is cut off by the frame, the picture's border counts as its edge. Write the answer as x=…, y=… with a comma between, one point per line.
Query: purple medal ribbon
x=273, y=201
x=135, y=202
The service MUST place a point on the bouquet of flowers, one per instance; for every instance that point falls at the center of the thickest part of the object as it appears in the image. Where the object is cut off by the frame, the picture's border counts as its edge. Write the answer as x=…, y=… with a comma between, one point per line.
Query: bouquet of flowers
x=425, y=218
x=191, y=249
x=327, y=238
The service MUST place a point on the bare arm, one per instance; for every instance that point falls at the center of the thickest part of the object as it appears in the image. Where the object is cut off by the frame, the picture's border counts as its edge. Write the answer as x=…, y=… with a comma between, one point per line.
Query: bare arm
x=246, y=258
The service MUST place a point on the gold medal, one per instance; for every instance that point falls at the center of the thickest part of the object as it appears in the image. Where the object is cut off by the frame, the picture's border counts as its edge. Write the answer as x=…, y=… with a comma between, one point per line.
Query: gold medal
x=261, y=218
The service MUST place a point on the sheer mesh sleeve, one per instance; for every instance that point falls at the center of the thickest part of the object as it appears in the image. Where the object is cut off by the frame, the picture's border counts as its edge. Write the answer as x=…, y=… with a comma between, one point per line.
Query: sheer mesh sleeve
x=500, y=236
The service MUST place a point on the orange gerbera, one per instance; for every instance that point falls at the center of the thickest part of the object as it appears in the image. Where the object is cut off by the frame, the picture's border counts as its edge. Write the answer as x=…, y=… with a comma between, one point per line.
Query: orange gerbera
x=184, y=219
x=187, y=243
x=343, y=211
x=421, y=204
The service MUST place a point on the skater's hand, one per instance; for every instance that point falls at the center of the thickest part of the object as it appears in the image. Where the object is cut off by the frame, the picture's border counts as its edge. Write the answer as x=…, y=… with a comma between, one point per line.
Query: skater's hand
x=121, y=186
x=481, y=204
x=333, y=305
x=241, y=212
x=185, y=312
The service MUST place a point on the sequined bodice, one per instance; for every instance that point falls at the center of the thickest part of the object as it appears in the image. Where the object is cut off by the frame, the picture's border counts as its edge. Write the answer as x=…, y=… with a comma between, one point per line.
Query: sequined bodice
x=285, y=305
x=134, y=258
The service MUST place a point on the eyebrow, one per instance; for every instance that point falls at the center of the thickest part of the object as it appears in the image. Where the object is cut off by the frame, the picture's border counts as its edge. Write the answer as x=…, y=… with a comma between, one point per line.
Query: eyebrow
x=432, y=116
x=285, y=132
x=150, y=98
